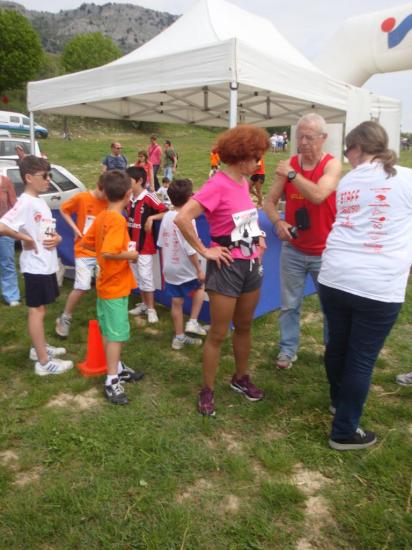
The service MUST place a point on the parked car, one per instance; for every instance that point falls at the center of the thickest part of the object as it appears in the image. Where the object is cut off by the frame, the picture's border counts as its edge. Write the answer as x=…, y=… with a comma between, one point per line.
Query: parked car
x=5, y=133
x=17, y=123
x=63, y=184
x=8, y=147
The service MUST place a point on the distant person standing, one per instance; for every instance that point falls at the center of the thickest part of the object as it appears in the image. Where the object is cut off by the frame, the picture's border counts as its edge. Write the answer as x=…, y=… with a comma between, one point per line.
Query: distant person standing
x=144, y=162
x=114, y=161
x=155, y=157
x=285, y=141
x=169, y=160
x=8, y=275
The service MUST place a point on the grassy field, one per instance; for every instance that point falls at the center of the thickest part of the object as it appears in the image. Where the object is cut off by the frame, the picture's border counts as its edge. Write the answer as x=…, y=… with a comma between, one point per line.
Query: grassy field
x=78, y=473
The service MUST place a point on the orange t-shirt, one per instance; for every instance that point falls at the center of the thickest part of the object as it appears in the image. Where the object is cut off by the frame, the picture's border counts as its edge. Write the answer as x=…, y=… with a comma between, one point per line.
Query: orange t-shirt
x=86, y=207
x=261, y=167
x=109, y=235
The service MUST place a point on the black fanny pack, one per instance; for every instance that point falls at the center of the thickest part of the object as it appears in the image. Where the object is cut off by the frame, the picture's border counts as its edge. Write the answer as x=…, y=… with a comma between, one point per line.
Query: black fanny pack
x=246, y=244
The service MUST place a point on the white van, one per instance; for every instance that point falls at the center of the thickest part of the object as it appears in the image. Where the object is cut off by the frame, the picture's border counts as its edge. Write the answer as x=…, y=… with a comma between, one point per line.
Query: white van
x=16, y=123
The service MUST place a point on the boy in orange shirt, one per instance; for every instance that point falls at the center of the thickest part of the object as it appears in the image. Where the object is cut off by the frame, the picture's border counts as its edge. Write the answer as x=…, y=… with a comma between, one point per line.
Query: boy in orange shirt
x=86, y=206
x=109, y=237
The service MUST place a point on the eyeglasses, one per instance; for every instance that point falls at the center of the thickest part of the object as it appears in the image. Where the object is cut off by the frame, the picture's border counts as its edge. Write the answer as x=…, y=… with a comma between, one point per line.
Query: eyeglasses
x=308, y=137
x=44, y=175
x=346, y=151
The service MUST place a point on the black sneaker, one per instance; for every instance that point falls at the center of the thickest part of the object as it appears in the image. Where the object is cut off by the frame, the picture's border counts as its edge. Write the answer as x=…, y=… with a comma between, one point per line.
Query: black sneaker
x=114, y=393
x=360, y=440
x=129, y=375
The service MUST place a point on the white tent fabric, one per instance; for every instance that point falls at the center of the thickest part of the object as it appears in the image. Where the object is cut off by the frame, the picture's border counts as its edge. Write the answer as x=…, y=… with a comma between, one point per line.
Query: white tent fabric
x=185, y=74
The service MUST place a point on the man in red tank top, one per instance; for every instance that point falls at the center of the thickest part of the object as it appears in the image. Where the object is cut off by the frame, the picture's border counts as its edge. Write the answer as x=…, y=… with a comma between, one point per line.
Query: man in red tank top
x=308, y=182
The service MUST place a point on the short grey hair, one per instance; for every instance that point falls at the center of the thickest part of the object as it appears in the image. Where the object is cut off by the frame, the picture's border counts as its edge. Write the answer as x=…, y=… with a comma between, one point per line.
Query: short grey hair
x=314, y=118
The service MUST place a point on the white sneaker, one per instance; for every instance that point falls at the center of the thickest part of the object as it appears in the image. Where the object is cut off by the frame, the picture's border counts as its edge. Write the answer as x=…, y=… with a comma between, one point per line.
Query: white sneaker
x=15, y=303
x=179, y=343
x=53, y=366
x=193, y=327
x=152, y=316
x=52, y=352
x=63, y=326
x=139, y=309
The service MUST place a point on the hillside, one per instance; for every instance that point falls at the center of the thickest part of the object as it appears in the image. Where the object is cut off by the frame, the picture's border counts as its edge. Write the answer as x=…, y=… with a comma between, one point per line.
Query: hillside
x=128, y=25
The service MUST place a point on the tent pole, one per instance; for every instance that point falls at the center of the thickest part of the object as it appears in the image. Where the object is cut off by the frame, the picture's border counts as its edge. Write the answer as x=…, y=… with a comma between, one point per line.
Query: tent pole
x=32, y=149
x=233, y=104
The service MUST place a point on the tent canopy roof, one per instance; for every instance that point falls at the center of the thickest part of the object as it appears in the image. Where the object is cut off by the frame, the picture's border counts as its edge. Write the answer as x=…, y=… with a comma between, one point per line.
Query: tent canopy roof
x=184, y=75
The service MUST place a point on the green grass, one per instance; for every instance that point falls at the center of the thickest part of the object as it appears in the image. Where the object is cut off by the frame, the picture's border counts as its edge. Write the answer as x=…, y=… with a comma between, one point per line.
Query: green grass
x=155, y=475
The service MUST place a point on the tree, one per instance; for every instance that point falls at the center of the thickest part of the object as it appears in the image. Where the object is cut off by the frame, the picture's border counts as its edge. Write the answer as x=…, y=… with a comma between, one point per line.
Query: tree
x=86, y=51
x=20, y=50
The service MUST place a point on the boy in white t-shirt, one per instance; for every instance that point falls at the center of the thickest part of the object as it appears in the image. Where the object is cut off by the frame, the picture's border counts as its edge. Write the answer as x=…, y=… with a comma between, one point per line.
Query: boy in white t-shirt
x=30, y=221
x=181, y=269
x=162, y=192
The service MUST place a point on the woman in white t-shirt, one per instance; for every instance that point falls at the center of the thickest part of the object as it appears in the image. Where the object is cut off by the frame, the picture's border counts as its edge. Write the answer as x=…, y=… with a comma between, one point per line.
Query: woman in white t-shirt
x=364, y=274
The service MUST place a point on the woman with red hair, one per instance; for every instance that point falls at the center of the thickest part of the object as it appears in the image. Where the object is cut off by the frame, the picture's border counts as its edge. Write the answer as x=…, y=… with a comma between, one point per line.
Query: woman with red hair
x=234, y=273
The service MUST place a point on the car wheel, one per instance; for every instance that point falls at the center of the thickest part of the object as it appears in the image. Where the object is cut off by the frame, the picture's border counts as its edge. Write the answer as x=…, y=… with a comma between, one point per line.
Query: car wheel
x=39, y=135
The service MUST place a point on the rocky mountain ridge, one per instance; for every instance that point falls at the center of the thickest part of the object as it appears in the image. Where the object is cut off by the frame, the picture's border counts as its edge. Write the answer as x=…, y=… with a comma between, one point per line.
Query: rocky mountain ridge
x=128, y=25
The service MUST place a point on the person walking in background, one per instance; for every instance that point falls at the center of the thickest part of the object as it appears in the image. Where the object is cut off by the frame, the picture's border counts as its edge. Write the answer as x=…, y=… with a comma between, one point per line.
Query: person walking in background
x=169, y=160
x=308, y=182
x=364, y=273
x=181, y=270
x=143, y=162
x=109, y=239
x=234, y=273
x=257, y=179
x=85, y=206
x=114, y=161
x=8, y=274
x=30, y=221
x=154, y=152
x=214, y=162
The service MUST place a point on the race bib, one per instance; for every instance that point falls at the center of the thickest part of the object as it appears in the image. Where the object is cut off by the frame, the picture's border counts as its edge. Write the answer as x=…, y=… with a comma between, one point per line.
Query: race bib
x=87, y=223
x=246, y=223
x=47, y=228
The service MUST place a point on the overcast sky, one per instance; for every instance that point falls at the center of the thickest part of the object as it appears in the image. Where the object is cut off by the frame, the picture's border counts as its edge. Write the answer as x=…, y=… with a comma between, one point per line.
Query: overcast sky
x=306, y=24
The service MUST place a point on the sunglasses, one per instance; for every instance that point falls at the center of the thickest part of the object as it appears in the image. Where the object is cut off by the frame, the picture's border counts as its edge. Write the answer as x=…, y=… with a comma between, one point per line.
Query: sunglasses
x=44, y=175
x=346, y=151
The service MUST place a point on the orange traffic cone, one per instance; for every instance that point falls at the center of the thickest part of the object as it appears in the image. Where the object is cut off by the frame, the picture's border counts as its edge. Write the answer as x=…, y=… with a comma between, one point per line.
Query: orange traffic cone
x=95, y=363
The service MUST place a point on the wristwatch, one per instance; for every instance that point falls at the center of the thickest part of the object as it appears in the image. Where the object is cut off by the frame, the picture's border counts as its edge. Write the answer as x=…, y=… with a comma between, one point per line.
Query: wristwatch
x=291, y=175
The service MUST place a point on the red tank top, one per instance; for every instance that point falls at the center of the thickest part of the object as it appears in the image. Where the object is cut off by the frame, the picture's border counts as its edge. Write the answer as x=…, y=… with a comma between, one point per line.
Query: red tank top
x=310, y=241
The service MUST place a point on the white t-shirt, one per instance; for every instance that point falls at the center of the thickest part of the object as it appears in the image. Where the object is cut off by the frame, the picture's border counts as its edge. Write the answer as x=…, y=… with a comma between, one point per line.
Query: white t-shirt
x=163, y=196
x=369, y=250
x=177, y=268
x=32, y=215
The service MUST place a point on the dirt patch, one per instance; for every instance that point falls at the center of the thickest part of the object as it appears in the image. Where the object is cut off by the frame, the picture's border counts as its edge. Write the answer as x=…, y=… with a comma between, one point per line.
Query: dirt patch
x=272, y=435
x=410, y=429
x=10, y=347
x=10, y=459
x=82, y=402
x=317, y=514
x=152, y=331
x=308, y=481
x=24, y=478
x=312, y=318
x=140, y=321
x=230, y=442
x=199, y=487
x=230, y=504
x=377, y=389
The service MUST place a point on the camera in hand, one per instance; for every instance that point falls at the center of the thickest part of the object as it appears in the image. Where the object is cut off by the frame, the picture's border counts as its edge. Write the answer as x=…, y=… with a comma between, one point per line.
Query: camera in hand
x=293, y=232
x=302, y=218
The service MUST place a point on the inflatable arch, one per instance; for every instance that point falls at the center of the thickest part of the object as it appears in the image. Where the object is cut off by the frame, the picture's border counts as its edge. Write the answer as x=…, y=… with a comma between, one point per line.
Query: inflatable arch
x=378, y=42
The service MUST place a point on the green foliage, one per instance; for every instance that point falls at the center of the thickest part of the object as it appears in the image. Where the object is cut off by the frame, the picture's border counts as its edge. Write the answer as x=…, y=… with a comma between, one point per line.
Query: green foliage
x=20, y=50
x=86, y=51
x=50, y=66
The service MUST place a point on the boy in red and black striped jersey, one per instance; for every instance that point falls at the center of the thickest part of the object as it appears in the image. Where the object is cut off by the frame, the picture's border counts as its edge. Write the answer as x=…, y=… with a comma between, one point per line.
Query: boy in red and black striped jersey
x=143, y=209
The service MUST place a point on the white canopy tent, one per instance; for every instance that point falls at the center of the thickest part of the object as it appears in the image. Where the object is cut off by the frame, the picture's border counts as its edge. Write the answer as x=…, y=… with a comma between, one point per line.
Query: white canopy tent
x=217, y=65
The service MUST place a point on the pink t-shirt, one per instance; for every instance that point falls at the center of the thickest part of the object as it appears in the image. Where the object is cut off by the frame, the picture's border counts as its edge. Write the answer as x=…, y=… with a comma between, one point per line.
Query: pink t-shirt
x=155, y=153
x=221, y=197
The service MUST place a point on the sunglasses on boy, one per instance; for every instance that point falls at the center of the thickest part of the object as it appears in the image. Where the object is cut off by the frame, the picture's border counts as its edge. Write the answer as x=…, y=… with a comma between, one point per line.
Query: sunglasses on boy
x=44, y=175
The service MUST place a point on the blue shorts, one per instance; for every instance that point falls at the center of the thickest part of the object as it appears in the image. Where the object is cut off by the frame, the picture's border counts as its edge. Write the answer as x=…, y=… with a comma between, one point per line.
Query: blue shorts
x=183, y=290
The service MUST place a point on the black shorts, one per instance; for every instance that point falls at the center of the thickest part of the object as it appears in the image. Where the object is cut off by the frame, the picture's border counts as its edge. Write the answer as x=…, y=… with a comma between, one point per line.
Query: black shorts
x=258, y=178
x=40, y=289
x=235, y=279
